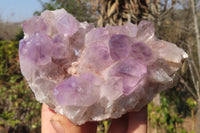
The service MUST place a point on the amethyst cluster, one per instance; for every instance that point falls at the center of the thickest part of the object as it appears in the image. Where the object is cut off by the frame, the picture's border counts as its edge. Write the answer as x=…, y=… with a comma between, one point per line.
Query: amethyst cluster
x=92, y=74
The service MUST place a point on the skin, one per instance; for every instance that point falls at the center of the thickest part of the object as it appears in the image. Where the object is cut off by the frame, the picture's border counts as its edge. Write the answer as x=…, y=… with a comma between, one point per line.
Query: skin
x=133, y=122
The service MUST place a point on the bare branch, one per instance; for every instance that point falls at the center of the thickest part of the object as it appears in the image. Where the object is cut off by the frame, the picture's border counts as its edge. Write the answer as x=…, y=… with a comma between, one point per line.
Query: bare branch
x=193, y=63
x=193, y=79
x=188, y=88
x=166, y=12
x=196, y=70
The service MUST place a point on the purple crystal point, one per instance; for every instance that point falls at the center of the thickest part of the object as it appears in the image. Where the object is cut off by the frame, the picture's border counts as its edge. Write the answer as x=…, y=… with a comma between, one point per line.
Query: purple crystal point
x=33, y=25
x=142, y=52
x=66, y=23
x=93, y=74
x=120, y=46
x=77, y=91
x=112, y=88
x=132, y=72
x=61, y=47
x=145, y=31
x=97, y=56
x=38, y=48
x=97, y=35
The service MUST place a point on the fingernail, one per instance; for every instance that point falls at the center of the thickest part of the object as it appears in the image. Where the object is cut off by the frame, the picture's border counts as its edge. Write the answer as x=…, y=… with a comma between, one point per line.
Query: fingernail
x=57, y=126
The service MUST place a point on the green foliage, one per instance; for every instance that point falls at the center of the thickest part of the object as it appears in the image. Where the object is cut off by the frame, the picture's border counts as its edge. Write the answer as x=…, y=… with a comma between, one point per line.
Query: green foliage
x=17, y=103
x=164, y=118
x=191, y=103
x=177, y=97
x=19, y=35
x=103, y=126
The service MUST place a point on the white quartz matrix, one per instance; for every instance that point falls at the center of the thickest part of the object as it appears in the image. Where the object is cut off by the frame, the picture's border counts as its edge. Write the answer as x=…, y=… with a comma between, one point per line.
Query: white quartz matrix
x=93, y=74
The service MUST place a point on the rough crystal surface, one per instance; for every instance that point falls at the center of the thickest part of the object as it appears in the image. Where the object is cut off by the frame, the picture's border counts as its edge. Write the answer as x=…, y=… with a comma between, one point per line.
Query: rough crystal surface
x=93, y=74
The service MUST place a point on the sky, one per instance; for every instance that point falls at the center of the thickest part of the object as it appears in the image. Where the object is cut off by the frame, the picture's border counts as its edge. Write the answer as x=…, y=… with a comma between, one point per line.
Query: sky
x=18, y=10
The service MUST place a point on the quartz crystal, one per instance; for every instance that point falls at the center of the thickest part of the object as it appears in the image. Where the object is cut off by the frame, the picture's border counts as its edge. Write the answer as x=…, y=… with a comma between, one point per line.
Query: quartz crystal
x=93, y=74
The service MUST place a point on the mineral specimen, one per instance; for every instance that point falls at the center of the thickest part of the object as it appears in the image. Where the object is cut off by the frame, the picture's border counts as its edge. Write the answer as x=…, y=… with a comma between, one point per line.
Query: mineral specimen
x=92, y=74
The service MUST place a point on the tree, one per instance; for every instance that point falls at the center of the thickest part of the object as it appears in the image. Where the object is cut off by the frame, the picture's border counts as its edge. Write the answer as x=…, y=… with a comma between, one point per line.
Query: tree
x=194, y=64
x=80, y=9
x=118, y=12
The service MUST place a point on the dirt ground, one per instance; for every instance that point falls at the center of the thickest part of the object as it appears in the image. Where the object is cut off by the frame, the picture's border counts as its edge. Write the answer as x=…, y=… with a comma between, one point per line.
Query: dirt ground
x=189, y=124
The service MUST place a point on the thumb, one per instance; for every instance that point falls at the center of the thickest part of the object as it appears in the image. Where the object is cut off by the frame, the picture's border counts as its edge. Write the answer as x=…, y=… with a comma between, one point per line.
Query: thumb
x=63, y=125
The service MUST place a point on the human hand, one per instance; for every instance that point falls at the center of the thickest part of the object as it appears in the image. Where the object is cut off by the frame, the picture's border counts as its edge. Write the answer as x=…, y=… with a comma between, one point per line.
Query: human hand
x=133, y=122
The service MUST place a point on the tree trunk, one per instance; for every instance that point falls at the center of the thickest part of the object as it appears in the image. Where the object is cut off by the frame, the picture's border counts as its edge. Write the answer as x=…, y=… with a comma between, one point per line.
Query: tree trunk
x=196, y=28
x=198, y=117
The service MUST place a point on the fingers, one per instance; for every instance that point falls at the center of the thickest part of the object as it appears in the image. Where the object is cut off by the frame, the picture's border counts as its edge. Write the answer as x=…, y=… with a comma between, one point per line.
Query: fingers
x=134, y=122
x=63, y=125
x=119, y=125
x=56, y=123
x=89, y=127
x=137, y=122
x=46, y=117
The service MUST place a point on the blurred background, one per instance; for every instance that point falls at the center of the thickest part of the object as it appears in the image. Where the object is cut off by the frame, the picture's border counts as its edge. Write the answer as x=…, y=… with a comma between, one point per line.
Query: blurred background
x=176, y=110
